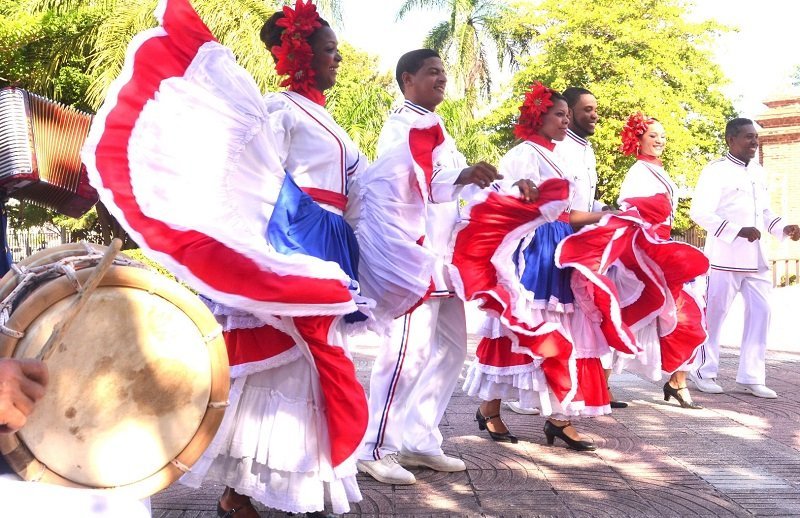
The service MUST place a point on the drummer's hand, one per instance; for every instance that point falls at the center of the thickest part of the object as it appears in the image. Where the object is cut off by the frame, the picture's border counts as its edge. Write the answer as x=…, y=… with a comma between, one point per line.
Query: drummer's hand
x=527, y=190
x=22, y=384
x=481, y=174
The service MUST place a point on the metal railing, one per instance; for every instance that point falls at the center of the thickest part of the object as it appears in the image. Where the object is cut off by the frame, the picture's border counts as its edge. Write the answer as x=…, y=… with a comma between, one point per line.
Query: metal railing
x=785, y=272
x=23, y=243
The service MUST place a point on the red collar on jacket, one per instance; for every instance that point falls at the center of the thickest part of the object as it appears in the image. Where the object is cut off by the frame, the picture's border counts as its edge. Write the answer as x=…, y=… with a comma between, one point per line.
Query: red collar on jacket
x=542, y=141
x=650, y=159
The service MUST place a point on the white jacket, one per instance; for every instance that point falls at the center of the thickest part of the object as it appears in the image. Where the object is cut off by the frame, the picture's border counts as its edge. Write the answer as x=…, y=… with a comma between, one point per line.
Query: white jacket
x=443, y=210
x=580, y=165
x=731, y=195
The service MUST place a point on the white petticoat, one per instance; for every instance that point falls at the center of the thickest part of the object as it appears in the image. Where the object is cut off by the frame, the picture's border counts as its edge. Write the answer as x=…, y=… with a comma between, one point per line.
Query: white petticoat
x=523, y=383
x=272, y=445
x=646, y=363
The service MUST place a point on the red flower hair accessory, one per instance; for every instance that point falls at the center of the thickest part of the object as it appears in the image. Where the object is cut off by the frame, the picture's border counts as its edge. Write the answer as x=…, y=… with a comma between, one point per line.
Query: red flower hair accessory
x=634, y=128
x=293, y=56
x=537, y=102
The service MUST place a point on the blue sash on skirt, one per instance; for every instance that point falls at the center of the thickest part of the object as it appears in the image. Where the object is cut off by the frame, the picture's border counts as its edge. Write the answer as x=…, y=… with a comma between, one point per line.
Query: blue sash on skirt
x=300, y=226
x=541, y=276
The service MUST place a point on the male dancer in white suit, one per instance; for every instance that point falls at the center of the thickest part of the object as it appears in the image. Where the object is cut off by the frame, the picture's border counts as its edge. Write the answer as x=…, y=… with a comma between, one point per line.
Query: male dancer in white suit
x=418, y=366
x=732, y=204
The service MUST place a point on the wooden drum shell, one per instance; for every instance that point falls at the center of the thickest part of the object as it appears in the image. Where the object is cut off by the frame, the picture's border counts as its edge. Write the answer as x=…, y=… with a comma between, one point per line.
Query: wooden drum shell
x=155, y=292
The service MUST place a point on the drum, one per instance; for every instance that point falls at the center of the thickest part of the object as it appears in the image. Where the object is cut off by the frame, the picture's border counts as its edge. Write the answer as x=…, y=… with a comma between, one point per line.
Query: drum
x=138, y=387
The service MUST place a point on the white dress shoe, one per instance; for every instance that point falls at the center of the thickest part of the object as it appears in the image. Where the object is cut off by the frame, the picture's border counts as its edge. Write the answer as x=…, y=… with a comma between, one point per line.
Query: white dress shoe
x=709, y=386
x=386, y=470
x=514, y=406
x=758, y=390
x=434, y=462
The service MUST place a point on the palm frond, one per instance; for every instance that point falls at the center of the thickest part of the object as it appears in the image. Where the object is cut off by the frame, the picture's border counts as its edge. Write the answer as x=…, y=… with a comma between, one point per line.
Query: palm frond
x=410, y=5
x=112, y=42
x=439, y=38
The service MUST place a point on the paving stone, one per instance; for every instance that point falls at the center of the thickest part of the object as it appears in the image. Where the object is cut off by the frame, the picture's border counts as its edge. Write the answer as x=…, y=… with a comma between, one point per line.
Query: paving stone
x=606, y=503
x=497, y=459
x=440, y=481
x=522, y=503
x=740, y=456
x=738, y=477
x=587, y=480
x=680, y=502
x=376, y=500
x=511, y=480
x=415, y=501
x=779, y=497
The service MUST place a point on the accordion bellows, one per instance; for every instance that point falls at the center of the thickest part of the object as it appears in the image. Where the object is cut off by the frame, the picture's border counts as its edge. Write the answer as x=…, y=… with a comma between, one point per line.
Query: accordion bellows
x=40, y=144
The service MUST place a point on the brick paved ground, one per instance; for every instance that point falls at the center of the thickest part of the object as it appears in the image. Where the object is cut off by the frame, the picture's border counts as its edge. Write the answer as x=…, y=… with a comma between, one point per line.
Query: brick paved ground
x=738, y=457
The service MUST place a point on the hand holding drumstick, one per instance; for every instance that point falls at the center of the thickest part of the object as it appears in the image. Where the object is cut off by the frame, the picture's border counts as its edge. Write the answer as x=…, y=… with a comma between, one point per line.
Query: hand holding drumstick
x=23, y=381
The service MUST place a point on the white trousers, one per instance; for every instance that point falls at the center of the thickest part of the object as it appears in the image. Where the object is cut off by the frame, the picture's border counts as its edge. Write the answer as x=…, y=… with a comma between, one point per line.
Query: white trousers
x=413, y=377
x=722, y=288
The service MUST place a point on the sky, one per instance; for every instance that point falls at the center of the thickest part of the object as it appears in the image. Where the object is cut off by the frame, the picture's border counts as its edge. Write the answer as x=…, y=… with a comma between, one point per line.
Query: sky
x=759, y=59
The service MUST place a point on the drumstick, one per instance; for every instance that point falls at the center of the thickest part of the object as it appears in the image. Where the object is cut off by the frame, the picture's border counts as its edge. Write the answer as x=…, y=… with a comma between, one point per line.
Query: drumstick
x=60, y=330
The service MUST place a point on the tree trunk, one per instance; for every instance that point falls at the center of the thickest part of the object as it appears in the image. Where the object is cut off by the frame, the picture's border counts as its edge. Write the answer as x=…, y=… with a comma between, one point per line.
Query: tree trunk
x=110, y=228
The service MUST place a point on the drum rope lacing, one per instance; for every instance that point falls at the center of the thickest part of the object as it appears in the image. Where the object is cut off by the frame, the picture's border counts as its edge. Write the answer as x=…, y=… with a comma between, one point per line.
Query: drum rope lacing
x=30, y=277
x=180, y=465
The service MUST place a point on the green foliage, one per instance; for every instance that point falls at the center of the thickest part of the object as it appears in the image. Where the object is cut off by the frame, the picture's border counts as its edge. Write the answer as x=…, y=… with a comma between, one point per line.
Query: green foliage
x=137, y=255
x=47, y=52
x=471, y=137
x=474, y=31
x=787, y=282
x=25, y=215
x=361, y=99
x=633, y=55
x=107, y=28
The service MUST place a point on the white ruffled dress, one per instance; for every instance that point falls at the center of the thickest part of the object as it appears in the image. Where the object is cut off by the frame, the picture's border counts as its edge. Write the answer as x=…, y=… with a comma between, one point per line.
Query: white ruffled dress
x=273, y=442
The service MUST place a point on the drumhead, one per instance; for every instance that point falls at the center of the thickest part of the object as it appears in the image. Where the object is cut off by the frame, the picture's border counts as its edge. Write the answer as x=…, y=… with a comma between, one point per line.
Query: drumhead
x=136, y=391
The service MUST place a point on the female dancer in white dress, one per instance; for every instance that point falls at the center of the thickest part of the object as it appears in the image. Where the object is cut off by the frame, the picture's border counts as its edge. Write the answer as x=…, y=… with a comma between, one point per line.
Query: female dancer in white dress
x=243, y=197
x=498, y=372
x=646, y=138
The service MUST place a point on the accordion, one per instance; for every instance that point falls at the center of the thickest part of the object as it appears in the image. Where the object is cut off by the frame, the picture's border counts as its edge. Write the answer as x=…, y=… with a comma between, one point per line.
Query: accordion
x=40, y=145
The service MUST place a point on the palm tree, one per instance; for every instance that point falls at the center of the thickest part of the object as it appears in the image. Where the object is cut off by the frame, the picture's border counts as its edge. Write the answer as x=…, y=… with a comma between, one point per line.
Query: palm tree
x=473, y=31
x=362, y=98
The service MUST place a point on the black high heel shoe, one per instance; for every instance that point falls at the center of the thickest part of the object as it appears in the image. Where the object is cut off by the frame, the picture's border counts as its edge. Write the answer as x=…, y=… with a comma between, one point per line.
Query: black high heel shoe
x=551, y=431
x=615, y=403
x=498, y=437
x=670, y=391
